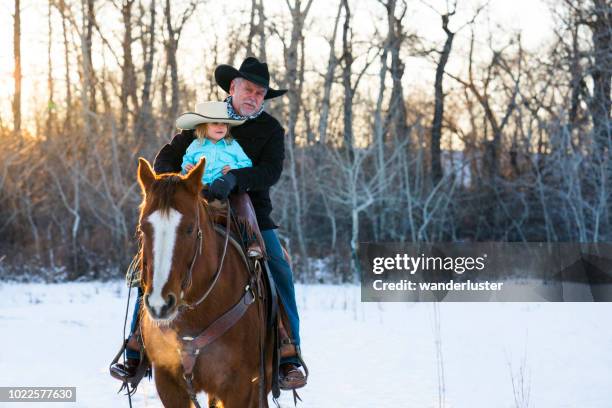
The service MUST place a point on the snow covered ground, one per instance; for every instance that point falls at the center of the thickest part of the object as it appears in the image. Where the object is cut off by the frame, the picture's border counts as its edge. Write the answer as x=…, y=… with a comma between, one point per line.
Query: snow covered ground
x=360, y=354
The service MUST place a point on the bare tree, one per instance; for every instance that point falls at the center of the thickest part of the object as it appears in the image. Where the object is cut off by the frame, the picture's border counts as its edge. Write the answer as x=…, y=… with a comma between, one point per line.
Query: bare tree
x=395, y=121
x=68, y=103
x=533, y=124
x=144, y=128
x=350, y=188
x=347, y=64
x=396, y=117
x=50, y=120
x=88, y=91
x=436, y=127
x=173, y=31
x=332, y=63
x=600, y=23
x=17, y=74
x=128, y=77
x=497, y=65
x=261, y=30
x=294, y=80
x=257, y=30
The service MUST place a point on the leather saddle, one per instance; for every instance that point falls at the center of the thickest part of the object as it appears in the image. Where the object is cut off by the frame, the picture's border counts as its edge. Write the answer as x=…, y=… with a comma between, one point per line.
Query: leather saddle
x=244, y=226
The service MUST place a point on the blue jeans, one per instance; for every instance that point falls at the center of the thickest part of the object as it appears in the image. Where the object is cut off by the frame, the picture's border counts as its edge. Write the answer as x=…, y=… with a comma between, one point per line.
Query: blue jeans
x=129, y=352
x=283, y=278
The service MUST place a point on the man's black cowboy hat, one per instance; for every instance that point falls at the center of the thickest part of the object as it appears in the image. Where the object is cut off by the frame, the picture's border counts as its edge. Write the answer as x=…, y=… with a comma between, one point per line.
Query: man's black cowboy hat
x=250, y=69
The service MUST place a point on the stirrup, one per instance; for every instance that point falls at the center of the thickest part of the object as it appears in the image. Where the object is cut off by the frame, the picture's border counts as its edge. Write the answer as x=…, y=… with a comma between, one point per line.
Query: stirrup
x=142, y=369
x=302, y=362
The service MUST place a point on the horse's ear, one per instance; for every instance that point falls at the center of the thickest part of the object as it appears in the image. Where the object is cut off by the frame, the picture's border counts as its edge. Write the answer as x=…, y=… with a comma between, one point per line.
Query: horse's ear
x=146, y=175
x=194, y=177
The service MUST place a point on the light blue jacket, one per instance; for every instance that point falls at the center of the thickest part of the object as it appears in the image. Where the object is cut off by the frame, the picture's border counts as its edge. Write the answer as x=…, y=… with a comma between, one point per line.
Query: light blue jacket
x=217, y=156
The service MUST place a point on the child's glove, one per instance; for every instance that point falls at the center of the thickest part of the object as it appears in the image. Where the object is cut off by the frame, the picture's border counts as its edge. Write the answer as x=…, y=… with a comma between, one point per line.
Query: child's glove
x=222, y=187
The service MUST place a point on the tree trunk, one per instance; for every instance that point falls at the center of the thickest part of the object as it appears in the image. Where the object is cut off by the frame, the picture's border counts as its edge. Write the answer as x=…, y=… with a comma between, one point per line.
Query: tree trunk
x=294, y=86
x=328, y=81
x=68, y=117
x=379, y=141
x=174, y=34
x=601, y=28
x=261, y=30
x=88, y=87
x=145, y=128
x=347, y=58
x=86, y=43
x=128, y=78
x=50, y=123
x=171, y=46
x=397, y=108
x=249, y=44
x=17, y=74
x=436, y=128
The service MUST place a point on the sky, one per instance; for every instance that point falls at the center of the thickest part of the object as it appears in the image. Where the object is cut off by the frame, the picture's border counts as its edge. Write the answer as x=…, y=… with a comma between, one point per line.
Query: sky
x=530, y=17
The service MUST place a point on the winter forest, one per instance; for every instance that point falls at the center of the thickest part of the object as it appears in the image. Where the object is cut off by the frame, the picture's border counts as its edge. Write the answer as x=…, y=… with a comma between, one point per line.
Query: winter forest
x=406, y=120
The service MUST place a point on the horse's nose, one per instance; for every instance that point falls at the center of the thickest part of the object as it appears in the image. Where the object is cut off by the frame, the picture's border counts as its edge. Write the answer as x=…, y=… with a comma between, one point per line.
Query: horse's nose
x=165, y=310
x=170, y=303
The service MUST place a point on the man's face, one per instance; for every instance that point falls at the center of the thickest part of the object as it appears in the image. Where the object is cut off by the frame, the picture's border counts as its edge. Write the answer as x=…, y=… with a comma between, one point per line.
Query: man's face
x=247, y=97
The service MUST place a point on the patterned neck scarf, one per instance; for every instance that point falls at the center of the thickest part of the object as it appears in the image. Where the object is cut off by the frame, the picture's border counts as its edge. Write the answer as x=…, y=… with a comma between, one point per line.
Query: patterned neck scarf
x=234, y=115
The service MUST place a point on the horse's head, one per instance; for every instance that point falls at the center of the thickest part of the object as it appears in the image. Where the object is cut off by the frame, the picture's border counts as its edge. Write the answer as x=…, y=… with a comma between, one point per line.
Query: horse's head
x=171, y=236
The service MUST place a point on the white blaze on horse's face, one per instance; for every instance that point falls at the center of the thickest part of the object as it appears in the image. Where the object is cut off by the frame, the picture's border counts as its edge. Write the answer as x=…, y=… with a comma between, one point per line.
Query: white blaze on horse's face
x=164, y=238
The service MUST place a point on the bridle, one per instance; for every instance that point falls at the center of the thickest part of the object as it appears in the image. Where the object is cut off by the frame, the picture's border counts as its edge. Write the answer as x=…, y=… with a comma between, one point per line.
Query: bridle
x=188, y=279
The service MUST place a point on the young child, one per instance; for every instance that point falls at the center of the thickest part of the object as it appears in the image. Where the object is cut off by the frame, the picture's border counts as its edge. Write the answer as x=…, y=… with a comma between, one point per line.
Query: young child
x=211, y=124
x=214, y=142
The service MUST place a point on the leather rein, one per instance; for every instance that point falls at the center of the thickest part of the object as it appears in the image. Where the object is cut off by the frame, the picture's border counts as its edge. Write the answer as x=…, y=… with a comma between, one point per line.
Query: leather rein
x=187, y=280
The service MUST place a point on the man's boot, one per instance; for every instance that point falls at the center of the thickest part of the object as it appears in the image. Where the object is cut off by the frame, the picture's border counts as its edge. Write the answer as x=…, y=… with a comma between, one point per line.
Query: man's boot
x=133, y=368
x=125, y=372
x=291, y=377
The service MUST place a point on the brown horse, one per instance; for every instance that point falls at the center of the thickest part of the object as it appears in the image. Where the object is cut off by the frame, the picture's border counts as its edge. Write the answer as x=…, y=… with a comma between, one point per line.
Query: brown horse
x=185, y=261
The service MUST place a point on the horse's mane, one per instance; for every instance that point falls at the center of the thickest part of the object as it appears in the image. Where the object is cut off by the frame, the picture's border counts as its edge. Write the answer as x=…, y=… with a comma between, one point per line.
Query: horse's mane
x=163, y=191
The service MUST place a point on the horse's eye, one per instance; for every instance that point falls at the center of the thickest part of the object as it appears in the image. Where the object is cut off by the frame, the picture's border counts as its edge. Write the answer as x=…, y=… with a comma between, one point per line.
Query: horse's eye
x=189, y=230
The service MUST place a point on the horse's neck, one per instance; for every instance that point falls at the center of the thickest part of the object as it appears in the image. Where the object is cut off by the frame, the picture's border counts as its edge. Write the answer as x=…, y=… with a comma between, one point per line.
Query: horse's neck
x=231, y=282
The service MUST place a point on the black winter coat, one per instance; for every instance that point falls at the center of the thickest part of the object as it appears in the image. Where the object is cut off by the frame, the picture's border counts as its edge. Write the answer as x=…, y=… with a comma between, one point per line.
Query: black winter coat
x=262, y=139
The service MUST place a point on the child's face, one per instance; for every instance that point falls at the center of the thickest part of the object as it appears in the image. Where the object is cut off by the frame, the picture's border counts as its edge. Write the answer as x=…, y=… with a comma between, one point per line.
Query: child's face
x=216, y=131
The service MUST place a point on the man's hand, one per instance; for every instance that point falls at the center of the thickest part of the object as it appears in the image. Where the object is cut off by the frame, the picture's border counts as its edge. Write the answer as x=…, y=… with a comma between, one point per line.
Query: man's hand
x=225, y=169
x=222, y=187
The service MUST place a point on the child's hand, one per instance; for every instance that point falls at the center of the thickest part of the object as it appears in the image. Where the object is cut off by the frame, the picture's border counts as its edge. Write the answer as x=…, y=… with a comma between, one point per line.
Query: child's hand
x=188, y=167
x=225, y=169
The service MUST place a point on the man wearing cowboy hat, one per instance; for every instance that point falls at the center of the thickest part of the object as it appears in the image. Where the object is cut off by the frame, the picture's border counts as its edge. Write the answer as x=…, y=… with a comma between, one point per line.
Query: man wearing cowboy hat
x=262, y=138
